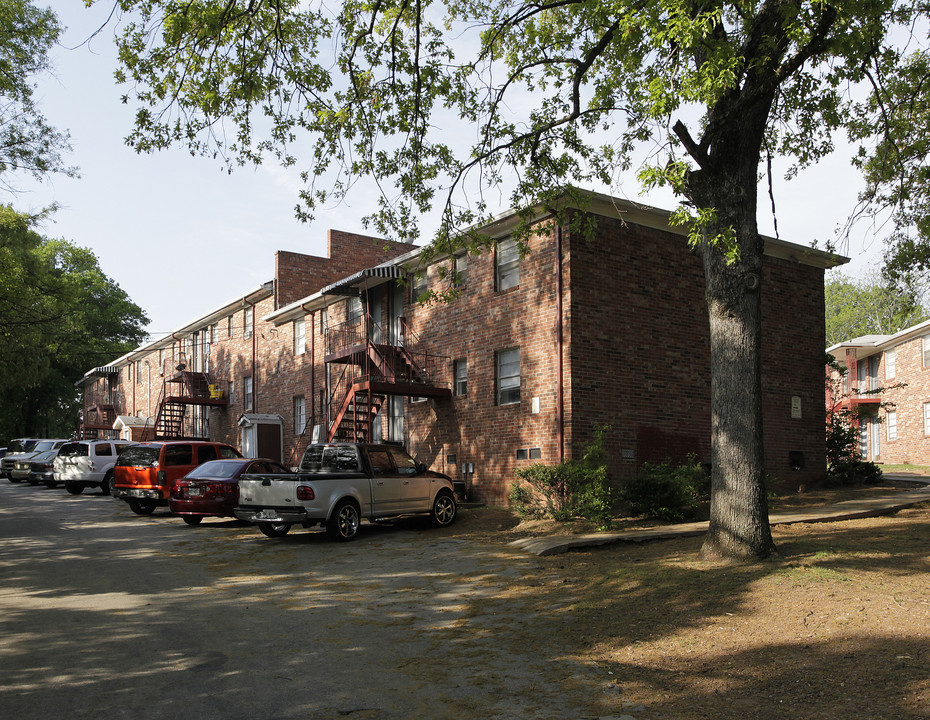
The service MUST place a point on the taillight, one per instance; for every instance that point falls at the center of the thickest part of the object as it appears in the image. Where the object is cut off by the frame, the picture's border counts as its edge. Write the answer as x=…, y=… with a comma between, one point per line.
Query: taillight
x=305, y=492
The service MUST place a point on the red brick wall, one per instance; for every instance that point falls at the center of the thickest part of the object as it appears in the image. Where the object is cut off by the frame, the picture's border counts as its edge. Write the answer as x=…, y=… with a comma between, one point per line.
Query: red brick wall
x=298, y=275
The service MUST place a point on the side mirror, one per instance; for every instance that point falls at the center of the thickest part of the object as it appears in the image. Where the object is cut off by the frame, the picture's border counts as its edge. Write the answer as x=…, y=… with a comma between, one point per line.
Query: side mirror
x=421, y=468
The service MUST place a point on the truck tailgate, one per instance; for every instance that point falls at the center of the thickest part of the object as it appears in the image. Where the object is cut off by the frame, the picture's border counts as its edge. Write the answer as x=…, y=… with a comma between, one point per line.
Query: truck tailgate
x=268, y=490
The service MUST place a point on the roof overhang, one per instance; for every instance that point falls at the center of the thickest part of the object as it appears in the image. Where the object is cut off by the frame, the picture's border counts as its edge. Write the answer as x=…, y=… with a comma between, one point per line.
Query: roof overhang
x=356, y=284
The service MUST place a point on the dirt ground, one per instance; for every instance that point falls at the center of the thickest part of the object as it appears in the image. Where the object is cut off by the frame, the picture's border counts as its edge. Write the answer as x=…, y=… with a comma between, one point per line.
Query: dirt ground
x=835, y=627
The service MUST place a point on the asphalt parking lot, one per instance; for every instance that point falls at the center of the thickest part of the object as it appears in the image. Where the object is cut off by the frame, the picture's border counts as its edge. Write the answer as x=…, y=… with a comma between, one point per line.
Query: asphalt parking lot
x=104, y=614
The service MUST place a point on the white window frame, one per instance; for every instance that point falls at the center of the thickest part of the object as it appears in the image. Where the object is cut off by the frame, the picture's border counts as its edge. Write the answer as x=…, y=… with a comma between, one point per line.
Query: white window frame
x=927, y=418
x=300, y=336
x=354, y=311
x=248, y=325
x=891, y=424
x=247, y=391
x=300, y=414
x=507, y=382
x=419, y=285
x=506, y=265
x=460, y=268
x=460, y=377
x=890, y=364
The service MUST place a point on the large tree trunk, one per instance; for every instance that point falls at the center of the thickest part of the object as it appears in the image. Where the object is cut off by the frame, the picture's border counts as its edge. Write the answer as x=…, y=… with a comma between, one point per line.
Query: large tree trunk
x=739, y=523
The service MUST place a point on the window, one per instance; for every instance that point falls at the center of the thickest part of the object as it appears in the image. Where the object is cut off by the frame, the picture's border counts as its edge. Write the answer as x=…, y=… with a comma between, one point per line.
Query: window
x=161, y=360
x=247, y=323
x=353, y=311
x=891, y=423
x=460, y=371
x=890, y=364
x=205, y=453
x=247, y=393
x=460, y=266
x=231, y=391
x=179, y=454
x=508, y=376
x=926, y=418
x=230, y=326
x=324, y=321
x=418, y=286
x=212, y=333
x=507, y=265
x=300, y=414
x=300, y=337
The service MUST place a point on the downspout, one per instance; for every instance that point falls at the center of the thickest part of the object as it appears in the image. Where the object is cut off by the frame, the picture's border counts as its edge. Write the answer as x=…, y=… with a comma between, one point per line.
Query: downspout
x=312, y=364
x=254, y=379
x=560, y=343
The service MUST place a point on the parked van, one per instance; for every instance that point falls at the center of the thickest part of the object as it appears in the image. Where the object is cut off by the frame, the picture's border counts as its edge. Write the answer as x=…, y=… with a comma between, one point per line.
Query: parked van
x=145, y=474
x=87, y=464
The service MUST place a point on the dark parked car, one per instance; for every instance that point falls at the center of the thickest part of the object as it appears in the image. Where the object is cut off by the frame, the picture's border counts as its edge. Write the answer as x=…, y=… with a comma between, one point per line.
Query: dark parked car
x=212, y=489
x=42, y=469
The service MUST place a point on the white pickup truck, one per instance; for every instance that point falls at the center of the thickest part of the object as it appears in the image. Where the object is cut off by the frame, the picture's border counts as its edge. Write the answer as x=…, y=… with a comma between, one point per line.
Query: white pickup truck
x=338, y=484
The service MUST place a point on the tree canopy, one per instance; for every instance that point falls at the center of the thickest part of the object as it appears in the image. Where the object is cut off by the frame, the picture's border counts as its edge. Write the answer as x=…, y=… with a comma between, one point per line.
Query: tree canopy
x=439, y=101
x=59, y=315
x=871, y=306
x=28, y=144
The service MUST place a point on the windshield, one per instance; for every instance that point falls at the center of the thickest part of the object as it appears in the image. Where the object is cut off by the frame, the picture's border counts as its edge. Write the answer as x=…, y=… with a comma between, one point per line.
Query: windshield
x=44, y=445
x=73, y=450
x=139, y=456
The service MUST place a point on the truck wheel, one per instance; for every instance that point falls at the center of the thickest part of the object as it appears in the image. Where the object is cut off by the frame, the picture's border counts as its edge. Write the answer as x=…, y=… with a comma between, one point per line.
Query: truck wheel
x=74, y=488
x=274, y=530
x=192, y=519
x=343, y=523
x=106, y=487
x=50, y=484
x=444, y=509
x=141, y=507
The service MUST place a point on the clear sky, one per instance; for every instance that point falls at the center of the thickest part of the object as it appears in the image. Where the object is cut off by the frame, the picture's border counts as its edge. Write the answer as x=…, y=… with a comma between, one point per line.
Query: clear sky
x=182, y=237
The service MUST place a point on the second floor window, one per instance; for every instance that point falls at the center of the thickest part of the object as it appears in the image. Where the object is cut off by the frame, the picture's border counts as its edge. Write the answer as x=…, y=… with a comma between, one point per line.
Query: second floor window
x=353, y=311
x=300, y=337
x=507, y=265
x=460, y=265
x=418, y=286
x=460, y=369
x=247, y=323
x=890, y=361
x=247, y=393
x=508, y=376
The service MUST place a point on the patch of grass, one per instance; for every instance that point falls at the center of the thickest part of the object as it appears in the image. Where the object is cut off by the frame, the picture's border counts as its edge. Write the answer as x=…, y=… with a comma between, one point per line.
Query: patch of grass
x=917, y=469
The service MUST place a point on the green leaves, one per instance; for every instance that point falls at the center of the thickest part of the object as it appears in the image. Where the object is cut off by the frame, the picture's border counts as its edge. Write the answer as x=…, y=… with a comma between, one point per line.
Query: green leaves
x=59, y=315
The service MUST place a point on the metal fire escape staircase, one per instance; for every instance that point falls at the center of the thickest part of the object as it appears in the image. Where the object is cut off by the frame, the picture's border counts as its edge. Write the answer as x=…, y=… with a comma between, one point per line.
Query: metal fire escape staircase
x=188, y=388
x=372, y=372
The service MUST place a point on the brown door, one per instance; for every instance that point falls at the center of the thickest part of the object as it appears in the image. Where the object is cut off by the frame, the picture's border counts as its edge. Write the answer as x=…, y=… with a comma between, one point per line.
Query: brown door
x=269, y=442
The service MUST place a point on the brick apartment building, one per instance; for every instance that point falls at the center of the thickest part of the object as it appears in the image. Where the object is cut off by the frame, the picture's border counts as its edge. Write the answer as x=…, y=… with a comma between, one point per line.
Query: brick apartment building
x=534, y=353
x=887, y=382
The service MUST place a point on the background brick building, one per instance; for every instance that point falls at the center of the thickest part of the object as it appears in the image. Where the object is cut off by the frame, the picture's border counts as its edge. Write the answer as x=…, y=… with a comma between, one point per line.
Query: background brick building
x=888, y=382
x=534, y=353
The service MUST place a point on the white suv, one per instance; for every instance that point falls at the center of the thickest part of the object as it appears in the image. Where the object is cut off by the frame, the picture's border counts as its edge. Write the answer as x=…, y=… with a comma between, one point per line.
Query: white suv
x=88, y=463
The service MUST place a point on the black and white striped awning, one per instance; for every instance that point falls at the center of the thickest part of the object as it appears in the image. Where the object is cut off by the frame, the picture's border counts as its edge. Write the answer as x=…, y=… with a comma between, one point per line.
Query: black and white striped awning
x=363, y=279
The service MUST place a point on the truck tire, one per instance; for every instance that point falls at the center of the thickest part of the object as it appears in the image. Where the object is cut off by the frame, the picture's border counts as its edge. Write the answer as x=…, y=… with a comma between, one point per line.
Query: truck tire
x=444, y=509
x=274, y=530
x=141, y=507
x=106, y=487
x=344, y=521
x=74, y=488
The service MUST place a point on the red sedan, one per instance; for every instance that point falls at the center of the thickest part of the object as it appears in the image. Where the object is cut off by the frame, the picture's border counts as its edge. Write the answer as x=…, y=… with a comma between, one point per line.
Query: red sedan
x=212, y=489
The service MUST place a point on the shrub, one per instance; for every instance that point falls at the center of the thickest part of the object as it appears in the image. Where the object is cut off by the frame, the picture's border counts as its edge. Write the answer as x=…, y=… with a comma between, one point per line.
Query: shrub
x=574, y=488
x=667, y=491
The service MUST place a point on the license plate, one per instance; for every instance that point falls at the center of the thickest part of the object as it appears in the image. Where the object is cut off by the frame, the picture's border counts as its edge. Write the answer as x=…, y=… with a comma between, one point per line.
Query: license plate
x=269, y=514
x=193, y=492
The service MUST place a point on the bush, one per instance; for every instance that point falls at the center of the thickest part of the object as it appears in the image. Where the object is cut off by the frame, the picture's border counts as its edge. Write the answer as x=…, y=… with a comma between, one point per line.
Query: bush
x=666, y=491
x=854, y=472
x=574, y=488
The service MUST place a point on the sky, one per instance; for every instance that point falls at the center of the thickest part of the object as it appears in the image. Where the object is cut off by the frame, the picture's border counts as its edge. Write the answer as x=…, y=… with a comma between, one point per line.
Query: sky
x=182, y=236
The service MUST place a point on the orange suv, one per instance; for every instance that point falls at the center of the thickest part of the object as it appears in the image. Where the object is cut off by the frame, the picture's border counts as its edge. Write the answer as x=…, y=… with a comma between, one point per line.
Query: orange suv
x=145, y=474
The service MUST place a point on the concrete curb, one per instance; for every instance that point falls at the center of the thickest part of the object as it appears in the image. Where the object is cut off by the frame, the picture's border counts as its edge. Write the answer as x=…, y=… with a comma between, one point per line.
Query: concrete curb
x=848, y=510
